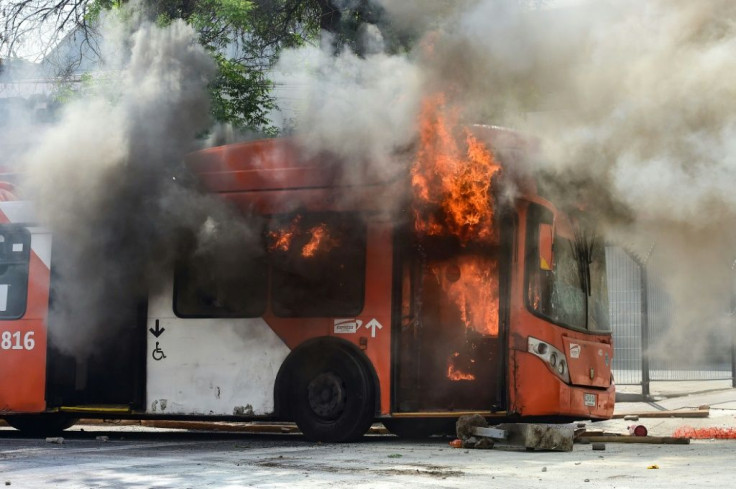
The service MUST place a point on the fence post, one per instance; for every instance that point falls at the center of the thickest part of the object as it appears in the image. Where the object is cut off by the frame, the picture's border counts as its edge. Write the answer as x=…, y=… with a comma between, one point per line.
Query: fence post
x=644, y=331
x=732, y=316
x=733, y=358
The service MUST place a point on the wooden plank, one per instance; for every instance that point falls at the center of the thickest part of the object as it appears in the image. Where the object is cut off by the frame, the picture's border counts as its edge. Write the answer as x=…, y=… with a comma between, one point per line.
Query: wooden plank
x=684, y=413
x=220, y=426
x=449, y=414
x=589, y=433
x=242, y=427
x=655, y=440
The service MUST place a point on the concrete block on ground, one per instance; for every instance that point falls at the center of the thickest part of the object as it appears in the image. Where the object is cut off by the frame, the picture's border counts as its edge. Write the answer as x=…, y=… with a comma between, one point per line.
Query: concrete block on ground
x=539, y=436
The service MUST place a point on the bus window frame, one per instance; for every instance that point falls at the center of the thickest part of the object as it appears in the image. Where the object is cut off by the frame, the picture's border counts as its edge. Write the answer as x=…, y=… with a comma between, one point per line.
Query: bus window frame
x=348, y=217
x=531, y=245
x=261, y=310
x=268, y=305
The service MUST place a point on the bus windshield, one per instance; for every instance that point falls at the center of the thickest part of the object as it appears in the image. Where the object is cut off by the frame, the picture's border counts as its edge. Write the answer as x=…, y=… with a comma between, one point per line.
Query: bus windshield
x=573, y=291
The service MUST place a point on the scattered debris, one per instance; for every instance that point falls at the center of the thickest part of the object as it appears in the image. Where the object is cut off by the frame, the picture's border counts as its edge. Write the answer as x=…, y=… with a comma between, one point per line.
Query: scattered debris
x=690, y=433
x=55, y=439
x=555, y=437
x=631, y=417
x=483, y=444
x=466, y=424
x=655, y=466
x=599, y=446
x=456, y=443
x=474, y=432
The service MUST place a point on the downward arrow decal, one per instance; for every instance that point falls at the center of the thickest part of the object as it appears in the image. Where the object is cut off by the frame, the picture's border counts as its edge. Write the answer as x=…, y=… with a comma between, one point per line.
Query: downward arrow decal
x=158, y=331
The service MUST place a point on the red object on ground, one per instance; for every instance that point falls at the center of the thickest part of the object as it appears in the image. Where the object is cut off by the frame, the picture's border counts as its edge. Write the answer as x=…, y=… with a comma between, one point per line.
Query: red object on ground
x=705, y=433
x=456, y=443
x=638, y=430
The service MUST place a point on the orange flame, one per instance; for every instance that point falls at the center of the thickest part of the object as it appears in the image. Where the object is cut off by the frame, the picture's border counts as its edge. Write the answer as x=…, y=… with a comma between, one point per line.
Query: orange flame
x=452, y=180
x=471, y=283
x=281, y=238
x=321, y=240
x=454, y=373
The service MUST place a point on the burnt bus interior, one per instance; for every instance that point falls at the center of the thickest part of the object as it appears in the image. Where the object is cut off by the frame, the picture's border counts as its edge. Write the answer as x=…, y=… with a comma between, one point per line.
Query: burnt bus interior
x=279, y=263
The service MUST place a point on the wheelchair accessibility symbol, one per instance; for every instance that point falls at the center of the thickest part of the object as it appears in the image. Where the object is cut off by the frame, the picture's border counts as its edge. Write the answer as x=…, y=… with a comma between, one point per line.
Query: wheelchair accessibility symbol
x=158, y=353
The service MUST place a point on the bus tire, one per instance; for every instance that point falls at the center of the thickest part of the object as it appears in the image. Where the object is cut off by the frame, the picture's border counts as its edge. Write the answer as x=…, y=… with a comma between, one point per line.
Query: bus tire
x=419, y=428
x=42, y=424
x=332, y=394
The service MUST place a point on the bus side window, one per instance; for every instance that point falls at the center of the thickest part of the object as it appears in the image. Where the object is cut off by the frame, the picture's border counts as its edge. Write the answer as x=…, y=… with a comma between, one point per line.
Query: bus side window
x=15, y=252
x=223, y=277
x=318, y=264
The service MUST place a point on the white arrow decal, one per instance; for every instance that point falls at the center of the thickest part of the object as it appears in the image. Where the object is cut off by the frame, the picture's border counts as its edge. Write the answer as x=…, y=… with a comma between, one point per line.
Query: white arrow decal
x=372, y=325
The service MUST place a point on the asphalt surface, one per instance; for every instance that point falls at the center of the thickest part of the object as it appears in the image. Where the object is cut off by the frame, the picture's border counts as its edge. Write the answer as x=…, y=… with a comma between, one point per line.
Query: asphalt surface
x=142, y=457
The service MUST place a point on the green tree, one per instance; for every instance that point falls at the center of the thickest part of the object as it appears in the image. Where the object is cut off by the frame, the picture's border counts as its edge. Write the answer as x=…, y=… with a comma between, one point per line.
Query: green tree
x=245, y=37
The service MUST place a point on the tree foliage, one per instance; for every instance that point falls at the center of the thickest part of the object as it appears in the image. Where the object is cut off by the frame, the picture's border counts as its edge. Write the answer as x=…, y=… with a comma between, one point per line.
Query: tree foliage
x=244, y=37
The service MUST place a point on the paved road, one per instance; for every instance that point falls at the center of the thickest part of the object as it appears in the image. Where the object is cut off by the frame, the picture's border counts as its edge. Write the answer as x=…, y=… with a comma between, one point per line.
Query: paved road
x=132, y=458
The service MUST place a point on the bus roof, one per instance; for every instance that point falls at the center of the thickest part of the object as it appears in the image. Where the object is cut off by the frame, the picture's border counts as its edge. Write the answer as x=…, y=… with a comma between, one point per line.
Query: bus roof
x=274, y=164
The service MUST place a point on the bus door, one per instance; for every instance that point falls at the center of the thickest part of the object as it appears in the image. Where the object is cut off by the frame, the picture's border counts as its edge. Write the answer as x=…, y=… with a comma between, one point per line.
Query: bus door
x=453, y=317
x=95, y=357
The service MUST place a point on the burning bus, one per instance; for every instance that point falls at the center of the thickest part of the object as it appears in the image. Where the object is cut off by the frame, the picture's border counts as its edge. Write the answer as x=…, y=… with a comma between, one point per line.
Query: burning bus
x=409, y=298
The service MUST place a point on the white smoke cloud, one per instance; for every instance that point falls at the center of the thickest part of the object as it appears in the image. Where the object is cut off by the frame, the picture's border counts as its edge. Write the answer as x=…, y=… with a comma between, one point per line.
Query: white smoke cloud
x=362, y=109
x=634, y=102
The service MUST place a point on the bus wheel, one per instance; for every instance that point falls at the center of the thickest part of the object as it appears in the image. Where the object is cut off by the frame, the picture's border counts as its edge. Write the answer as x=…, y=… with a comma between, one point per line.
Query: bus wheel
x=419, y=428
x=42, y=424
x=333, y=396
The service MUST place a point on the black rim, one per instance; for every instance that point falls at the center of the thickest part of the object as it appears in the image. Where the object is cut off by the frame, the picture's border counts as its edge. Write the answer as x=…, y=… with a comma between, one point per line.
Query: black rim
x=327, y=395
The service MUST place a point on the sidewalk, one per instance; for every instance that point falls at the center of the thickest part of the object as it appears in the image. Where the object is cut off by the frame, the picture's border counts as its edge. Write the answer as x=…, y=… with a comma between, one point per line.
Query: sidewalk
x=718, y=394
x=659, y=389
x=674, y=396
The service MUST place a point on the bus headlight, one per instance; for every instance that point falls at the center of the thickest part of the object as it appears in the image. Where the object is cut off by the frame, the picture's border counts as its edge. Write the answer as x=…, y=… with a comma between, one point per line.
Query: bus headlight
x=561, y=368
x=553, y=357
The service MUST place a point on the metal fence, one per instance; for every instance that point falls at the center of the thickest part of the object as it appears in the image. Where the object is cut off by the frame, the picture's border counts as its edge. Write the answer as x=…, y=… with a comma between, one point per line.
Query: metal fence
x=641, y=318
x=624, y=301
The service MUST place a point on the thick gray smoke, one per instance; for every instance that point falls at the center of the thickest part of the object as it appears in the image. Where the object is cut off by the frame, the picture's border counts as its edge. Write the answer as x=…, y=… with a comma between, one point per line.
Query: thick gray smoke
x=634, y=102
x=362, y=109
x=104, y=178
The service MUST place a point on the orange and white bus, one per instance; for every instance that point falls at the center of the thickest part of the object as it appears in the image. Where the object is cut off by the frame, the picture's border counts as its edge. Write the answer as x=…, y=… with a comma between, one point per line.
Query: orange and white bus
x=349, y=301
